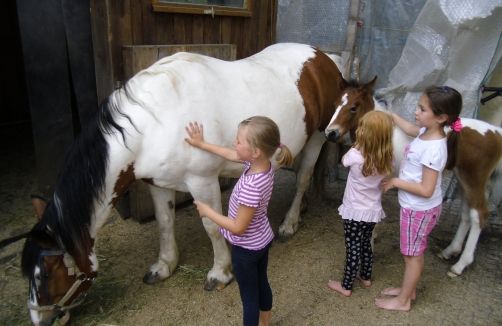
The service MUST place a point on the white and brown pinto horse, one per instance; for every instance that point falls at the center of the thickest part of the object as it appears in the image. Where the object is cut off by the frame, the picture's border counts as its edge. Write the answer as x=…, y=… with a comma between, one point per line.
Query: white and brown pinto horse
x=478, y=164
x=139, y=133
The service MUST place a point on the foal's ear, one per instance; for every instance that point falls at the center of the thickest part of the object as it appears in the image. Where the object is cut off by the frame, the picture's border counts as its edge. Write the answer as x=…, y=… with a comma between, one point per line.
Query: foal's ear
x=39, y=204
x=371, y=85
x=343, y=83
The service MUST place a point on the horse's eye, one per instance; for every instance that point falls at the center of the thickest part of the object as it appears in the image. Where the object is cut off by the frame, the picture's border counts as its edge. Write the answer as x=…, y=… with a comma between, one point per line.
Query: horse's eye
x=354, y=109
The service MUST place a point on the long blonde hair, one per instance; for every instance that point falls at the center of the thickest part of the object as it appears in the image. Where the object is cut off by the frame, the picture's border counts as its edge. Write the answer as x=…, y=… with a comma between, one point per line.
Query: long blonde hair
x=264, y=134
x=374, y=139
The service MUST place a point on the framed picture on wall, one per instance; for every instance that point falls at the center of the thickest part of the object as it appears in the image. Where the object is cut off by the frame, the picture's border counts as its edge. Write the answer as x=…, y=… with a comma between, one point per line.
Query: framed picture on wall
x=208, y=7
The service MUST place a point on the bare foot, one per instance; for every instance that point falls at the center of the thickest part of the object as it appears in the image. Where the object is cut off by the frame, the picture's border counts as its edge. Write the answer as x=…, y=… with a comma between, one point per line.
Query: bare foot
x=393, y=304
x=366, y=283
x=396, y=291
x=337, y=286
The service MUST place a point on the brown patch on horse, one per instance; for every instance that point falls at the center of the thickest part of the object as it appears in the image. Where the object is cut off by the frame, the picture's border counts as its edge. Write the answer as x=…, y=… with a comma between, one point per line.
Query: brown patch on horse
x=478, y=156
x=319, y=85
x=123, y=182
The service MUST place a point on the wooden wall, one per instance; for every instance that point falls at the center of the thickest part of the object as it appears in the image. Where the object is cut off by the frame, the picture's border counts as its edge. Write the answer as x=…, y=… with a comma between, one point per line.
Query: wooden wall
x=133, y=22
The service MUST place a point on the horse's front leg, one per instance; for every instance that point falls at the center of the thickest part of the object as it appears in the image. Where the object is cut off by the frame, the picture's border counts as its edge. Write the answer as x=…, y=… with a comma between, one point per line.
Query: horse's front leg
x=309, y=156
x=164, y=201
x=220, y=274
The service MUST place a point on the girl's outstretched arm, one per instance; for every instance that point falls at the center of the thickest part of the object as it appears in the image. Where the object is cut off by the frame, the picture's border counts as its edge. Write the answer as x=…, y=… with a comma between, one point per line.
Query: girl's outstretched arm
x=407, y=127
x=238, y=226
x=424, y=189
x=196, y=139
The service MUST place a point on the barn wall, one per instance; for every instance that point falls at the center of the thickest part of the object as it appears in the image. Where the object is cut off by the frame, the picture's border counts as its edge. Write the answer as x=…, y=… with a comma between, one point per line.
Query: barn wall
x=133, y=22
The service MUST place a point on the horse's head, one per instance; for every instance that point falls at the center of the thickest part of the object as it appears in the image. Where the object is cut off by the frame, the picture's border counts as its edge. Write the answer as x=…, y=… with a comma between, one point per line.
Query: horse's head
x=354, y=102
x=58, y=279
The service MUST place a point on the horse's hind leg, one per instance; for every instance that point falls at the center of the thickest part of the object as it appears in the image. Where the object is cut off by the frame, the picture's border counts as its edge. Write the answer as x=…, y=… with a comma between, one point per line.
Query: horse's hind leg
x=309, y=157
x=164, y=200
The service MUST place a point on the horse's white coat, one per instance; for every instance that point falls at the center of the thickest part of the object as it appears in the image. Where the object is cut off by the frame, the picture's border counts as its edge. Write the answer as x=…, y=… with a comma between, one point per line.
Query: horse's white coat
x=187, y=87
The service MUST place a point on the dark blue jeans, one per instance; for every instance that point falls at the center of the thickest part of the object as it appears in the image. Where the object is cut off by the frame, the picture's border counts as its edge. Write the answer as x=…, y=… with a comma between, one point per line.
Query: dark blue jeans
x=250, y=270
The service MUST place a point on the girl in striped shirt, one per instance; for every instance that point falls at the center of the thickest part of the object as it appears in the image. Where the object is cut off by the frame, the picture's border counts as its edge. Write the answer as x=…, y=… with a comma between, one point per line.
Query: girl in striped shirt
x=247, y=227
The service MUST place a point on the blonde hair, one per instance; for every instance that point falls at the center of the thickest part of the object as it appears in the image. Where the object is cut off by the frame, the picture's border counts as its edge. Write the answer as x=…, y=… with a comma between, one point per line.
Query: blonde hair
x=374, y=138
x=263, y=134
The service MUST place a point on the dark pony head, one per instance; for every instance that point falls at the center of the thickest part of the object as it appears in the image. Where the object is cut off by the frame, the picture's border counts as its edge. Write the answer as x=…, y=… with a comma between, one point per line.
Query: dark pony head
x=66, y=218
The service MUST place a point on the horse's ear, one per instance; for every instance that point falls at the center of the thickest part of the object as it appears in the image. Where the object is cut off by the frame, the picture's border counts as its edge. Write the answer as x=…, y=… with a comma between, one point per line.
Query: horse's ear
x=43, y=239
x=343, y=83
x=371, y=85
x=39, y=204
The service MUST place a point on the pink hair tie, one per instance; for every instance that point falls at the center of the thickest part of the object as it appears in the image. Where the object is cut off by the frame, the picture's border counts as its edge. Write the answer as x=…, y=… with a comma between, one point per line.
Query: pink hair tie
x=456, y=125
x=280, y=145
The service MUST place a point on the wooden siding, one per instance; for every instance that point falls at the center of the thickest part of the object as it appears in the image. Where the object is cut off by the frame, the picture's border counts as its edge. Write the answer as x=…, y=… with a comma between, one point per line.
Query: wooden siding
x=133, y=22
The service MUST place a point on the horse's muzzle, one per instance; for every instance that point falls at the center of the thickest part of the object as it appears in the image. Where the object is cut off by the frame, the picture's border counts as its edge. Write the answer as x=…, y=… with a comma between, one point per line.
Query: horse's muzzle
x=332, y=136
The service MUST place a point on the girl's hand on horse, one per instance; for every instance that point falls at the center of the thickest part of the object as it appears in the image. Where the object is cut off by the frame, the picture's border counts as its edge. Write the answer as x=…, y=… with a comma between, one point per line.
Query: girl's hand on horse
x=388, y=184
x=195, y=132
x=204, y=209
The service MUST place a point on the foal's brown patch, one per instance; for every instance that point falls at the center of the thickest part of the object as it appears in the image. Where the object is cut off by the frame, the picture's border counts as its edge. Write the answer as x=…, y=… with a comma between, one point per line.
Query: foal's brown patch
x=478, y=155
x=123, y=182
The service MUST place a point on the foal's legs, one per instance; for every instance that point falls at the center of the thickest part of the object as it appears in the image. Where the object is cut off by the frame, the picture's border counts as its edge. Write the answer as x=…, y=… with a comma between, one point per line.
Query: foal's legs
x=163, y=200
x=474, y=213
x=310, y=153
x=455, y=246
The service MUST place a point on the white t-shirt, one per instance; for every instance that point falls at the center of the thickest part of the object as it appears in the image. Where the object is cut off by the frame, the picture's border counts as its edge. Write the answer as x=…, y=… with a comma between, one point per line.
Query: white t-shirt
x=431, y=153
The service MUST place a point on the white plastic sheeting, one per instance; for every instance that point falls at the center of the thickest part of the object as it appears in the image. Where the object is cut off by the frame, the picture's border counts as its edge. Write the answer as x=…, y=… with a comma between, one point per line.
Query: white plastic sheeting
x=453, y=43
x=318, y=23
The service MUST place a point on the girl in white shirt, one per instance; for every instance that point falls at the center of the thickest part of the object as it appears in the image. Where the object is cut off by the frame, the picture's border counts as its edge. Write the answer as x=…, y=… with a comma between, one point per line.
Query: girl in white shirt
x=419, y=182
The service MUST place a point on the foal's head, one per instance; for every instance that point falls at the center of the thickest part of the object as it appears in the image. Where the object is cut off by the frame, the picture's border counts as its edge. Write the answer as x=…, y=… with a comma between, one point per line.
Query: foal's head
x=354, y=102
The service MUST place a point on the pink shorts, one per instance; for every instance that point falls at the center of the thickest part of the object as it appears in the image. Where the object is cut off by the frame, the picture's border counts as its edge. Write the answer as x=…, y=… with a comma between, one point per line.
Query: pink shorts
x=415, y=227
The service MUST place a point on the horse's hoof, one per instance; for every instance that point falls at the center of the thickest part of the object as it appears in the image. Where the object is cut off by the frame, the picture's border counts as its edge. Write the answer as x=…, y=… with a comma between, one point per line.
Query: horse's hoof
x=284, y=237
x=214, y=284
x=440, y=255
x=151, y=279
x=452, y=274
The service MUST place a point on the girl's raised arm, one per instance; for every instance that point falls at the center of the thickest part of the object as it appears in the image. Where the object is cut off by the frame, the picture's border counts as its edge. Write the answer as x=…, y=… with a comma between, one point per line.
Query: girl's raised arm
x=197, y=140
x=407, y=127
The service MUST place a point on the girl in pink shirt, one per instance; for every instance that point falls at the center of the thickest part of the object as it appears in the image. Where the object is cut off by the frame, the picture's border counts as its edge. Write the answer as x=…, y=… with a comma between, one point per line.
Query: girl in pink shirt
x=370, y=159
x=246, y=227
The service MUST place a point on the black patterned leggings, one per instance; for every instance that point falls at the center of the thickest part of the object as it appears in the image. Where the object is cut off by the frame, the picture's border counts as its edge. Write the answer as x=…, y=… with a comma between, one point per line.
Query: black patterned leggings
x=357, y=250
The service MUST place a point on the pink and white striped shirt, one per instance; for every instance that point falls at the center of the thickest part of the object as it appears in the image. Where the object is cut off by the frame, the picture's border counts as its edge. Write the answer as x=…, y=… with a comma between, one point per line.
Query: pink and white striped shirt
x=253, y=190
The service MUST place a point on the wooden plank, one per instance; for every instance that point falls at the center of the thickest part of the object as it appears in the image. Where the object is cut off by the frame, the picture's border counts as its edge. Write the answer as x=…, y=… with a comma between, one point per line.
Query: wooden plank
x=122, y=32
x=236, y=37
x=165, y=51
x=211, y=30
x=102, y=48
x=188, y=21
x=226, y=30
x=253, y=35
x=148, y=20
x=262, y=24
x=136, y=24
x=198, y=29
x=163, y=32
x=178, y=29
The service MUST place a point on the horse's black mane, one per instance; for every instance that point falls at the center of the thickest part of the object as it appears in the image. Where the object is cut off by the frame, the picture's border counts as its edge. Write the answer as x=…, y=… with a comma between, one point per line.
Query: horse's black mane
x=80, y=182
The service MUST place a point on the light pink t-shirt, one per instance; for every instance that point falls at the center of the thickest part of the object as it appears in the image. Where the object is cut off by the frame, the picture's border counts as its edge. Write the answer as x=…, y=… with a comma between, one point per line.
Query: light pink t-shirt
x=362, y=200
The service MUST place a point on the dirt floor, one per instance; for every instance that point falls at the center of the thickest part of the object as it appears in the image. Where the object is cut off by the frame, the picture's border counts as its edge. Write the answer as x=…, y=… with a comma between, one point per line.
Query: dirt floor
x=298, y=269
